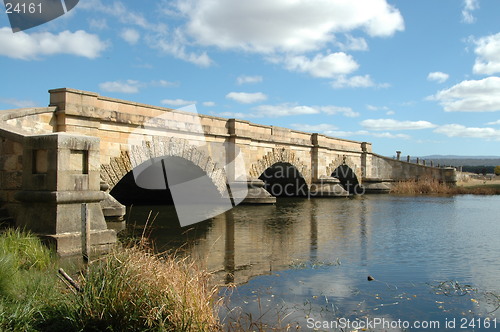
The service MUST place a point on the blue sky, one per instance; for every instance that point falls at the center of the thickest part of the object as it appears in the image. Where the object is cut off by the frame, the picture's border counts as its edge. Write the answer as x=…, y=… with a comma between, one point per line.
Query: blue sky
x=421, y=76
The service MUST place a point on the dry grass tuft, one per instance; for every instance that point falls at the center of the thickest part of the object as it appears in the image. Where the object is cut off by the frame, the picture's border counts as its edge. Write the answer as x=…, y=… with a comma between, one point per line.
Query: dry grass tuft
x=135, y=289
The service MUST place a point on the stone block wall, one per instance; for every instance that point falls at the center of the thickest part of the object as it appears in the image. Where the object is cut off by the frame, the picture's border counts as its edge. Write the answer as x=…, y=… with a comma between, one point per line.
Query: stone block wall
x=15, y=125
x=11, y=166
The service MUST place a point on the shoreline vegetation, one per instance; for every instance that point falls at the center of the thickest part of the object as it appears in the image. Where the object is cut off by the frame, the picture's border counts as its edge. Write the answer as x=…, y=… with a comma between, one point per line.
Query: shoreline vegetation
x=428, y=186
x=130, y=288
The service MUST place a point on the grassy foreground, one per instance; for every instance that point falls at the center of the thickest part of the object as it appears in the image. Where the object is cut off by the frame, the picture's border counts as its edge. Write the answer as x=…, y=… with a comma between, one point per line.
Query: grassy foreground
x=128, y=290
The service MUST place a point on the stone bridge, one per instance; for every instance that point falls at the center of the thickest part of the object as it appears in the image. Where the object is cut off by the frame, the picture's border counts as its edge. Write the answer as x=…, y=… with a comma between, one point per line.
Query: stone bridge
x=83, y=146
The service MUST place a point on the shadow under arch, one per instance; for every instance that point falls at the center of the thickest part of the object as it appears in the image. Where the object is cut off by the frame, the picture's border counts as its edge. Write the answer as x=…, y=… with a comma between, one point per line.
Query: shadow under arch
x=347, y=178
x=152, y=185
x=283, y=179
x=161, y=147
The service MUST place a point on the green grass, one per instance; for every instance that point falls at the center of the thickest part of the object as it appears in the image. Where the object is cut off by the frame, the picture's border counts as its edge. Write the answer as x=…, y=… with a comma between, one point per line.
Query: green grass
x=129, y=289
x=27, y=280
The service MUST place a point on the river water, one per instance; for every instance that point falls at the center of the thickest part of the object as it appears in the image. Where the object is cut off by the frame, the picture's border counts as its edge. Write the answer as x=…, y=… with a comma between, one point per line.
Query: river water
x=435, y=260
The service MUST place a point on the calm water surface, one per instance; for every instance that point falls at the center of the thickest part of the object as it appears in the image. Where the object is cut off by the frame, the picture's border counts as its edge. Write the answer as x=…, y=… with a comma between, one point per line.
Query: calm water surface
x=433, y=258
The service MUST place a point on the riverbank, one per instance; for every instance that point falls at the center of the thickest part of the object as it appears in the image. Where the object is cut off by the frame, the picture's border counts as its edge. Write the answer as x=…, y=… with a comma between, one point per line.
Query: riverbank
x=431, y=186
x=129, y=289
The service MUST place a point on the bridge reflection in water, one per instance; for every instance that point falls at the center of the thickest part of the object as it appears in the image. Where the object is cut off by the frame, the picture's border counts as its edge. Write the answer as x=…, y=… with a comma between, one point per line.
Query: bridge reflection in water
x=254, y=240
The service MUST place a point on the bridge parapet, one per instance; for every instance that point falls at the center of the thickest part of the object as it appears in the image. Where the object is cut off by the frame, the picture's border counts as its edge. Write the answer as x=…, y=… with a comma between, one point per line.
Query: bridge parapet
x=243, y=129
x=339, y=144
x=398, y=170
x=29, y=121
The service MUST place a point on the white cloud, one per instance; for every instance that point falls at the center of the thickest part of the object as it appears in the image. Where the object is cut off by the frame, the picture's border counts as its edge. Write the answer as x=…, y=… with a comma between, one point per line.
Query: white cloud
x=353, y=44
x=131, y=36
x=25, y=46
x=128, y=86
x=283, y=110
x=469, y=7
x=232, y=115
x=265, y=26
x=172, y=42
x=356, y=82
x=98, y=24
x=18, y=103
x=390, y=135
x=488, y=55
x=438, y=76
x=176, y=47
x=494, y=123
x=342, y=133
x=132, y=86
x=328, y=66
x=391, y=124
x=387, y=110
x=456, y=130
x=177, y=102
x=163, y=83
x=471, y=96
x=319, y=128
x=249, y=79
x=125, y=15
x=246, y=98
x=333, y=110
x=208, y=104
x=376, y=108
x=290, y=109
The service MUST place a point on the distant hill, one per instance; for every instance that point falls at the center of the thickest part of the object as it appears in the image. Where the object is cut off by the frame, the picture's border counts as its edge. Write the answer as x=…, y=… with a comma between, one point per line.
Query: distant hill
x=439, y=156
x=473, y=164
x=450, y=160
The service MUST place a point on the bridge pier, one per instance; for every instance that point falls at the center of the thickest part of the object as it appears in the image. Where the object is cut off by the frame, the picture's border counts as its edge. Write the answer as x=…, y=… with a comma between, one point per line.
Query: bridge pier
x=376, y=186
x=256, y=193
x=327, y=186
x=60, y=173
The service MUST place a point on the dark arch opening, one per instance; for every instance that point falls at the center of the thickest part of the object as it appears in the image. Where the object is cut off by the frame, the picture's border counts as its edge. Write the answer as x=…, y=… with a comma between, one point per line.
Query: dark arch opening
x=347, y=179
x=151, y=183
x=284, y=180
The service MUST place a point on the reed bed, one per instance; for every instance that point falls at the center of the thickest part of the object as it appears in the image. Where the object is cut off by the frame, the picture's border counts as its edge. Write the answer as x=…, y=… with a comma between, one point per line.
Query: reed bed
x=432, y=186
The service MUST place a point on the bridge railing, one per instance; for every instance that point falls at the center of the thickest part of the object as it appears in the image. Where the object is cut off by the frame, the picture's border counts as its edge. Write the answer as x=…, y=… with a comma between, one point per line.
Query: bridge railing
x=399, y=170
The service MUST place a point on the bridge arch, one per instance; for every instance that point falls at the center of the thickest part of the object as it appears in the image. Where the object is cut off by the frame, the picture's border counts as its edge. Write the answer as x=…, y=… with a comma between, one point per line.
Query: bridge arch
x=344, y=169
x=280, y=155
x=158, y=148
x=344, y=160
x=284, y=179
